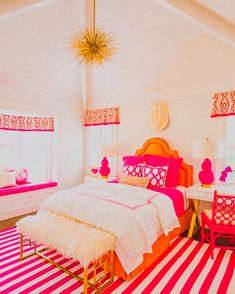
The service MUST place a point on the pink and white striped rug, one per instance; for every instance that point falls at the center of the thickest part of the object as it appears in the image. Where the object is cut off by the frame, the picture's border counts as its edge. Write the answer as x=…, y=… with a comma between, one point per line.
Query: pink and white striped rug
x=186, y=267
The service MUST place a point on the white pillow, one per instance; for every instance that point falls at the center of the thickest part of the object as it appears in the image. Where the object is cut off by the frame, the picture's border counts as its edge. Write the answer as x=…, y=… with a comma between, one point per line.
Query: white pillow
x=7, y=179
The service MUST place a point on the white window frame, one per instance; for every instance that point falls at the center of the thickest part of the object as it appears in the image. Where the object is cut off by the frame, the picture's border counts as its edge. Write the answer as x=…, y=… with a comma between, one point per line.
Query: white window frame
x=52, y=164
x=230, y=146
x=96, y=137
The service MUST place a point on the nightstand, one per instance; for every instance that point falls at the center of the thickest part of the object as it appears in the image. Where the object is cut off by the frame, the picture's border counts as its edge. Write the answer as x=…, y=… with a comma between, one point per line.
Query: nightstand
x=197, y=193
x=92, y=179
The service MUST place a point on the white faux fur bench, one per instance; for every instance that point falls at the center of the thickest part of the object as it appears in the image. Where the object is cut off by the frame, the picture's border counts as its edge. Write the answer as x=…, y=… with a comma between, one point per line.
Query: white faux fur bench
x=74, y=240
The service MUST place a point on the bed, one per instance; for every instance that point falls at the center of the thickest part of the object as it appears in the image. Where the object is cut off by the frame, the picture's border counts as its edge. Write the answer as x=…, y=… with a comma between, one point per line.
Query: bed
x=67, y=209
x=160, y=147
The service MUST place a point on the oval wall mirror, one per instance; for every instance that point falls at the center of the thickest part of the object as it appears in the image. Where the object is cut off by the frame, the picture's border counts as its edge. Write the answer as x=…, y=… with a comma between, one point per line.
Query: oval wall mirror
x=160, y=116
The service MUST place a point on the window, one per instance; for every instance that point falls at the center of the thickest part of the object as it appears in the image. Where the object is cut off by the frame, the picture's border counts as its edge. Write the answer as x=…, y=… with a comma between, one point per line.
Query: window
x=33, y=150
x=230, y=145
x=96, y=137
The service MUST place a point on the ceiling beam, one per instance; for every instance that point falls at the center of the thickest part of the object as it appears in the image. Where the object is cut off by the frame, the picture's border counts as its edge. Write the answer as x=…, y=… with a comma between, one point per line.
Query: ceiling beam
x=203, y=17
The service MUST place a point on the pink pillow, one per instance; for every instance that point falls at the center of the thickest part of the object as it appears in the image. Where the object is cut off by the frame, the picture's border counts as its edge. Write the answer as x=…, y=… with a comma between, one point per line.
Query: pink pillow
x=133, y=160
x=132, y=170
x=172, y=178
x=21, y=175
x=141, y=182
x=157, y=175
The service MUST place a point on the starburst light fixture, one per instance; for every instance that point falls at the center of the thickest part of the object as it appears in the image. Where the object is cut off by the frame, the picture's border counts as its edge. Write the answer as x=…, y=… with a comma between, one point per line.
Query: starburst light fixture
x=93, y=45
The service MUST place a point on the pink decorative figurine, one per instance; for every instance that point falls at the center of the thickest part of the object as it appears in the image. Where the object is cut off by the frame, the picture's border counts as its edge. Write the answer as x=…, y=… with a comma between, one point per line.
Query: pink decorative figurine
x=104, y=169
x=224, y=173
x=206, y=176
x=94, y=171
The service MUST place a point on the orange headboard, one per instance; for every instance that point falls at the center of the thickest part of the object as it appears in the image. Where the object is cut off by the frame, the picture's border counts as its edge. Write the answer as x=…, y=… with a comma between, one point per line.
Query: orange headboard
x=158, y=146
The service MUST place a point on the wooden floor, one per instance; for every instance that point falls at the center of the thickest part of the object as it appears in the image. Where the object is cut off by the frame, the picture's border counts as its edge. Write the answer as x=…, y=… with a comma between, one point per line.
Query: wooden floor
x=11, y=222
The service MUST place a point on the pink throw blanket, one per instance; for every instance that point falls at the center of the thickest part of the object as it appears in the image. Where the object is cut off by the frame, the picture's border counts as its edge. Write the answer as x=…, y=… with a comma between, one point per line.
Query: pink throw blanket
x=176, y=196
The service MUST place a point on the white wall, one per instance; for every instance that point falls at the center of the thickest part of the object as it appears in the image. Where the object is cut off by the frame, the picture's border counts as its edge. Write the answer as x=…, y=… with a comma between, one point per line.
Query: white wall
x=162, y=57
x=39, y=74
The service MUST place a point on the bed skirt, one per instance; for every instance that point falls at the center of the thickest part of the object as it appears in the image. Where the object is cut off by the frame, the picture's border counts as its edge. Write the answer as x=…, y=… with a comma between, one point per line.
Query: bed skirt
x=159, y=247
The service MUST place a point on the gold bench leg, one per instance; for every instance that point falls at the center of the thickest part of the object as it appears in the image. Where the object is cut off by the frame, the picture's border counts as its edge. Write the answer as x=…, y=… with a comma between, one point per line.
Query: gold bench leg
x=85, y=280
x=22, y=256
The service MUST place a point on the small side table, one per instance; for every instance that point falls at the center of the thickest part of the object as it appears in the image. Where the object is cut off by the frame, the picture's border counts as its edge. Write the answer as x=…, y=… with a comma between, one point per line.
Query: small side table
x=198, y=193
x=93, y=179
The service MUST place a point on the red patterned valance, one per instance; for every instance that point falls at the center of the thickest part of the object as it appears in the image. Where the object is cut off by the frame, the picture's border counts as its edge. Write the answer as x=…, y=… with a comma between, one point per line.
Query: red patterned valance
x=223, y=104
x=102, y=116
x=26, y=123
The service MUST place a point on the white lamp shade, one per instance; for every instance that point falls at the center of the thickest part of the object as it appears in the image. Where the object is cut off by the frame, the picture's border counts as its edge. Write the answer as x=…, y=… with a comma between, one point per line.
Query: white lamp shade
x=219, y=151
x=108, y=150
x=208, y=149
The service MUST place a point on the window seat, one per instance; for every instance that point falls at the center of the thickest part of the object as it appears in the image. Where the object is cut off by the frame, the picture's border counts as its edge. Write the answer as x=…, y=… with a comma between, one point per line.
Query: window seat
x=24, y=199
x=26, y=188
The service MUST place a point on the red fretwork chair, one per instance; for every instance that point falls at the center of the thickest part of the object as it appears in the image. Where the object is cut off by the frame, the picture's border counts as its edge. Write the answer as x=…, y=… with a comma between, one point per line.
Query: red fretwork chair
x=220, y=222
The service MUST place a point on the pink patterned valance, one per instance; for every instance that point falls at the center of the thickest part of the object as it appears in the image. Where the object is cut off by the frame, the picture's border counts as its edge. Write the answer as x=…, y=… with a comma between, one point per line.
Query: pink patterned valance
x=102, y=116
x=223, y=104
x=26, y=123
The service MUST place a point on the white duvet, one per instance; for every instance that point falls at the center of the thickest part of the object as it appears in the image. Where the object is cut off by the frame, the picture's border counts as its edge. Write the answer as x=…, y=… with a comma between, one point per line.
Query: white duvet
x=136, y=216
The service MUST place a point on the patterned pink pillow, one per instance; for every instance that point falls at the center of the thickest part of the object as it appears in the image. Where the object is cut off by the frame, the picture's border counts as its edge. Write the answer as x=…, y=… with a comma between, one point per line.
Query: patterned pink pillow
x=156, y=174
x=172, y=178
x=132, y=170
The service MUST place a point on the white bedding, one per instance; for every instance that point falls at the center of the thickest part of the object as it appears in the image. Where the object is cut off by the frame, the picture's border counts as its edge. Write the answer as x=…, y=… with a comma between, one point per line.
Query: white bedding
x=136, y=216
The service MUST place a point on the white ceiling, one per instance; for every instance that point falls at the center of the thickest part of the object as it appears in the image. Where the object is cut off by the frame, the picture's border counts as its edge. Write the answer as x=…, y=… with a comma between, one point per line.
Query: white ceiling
x=11, y=5
x=224, y=8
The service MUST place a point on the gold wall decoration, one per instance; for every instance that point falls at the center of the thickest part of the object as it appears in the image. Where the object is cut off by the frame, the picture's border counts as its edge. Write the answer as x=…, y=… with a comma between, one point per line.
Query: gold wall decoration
x=93, y=45
x=160, y=116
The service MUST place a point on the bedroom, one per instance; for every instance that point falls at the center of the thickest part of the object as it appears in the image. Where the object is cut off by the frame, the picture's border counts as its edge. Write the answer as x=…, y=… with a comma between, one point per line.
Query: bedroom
x=167, y=56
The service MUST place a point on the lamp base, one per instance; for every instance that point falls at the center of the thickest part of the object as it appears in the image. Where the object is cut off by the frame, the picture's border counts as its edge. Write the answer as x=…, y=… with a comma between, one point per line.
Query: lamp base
x=206, y=185
x=104, y=177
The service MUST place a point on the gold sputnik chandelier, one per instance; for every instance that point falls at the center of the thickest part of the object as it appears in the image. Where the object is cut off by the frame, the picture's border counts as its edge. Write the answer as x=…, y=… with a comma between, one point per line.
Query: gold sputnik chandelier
x=93, y=45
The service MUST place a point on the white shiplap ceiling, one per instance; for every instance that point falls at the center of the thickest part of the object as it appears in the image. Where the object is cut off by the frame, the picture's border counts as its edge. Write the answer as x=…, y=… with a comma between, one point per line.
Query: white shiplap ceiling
x=225, y=8
x=12, y=5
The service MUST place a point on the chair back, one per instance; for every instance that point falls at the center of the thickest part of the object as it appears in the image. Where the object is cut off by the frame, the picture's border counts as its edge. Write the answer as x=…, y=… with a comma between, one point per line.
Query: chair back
x=223, y=210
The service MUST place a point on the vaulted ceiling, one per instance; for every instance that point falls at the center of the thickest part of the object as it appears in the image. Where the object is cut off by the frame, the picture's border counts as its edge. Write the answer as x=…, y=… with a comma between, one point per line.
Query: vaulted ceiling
x=207, y=16
x=8, y=6
x=225, y=8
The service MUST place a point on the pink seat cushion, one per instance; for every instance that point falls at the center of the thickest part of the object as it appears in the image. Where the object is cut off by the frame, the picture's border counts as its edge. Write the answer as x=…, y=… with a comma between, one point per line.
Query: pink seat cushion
x=26, y=188
x=172, y=177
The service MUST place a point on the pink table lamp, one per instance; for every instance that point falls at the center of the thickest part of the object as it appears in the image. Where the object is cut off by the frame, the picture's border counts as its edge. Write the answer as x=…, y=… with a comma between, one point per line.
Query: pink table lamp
x=206, y=175
x=108, y=151
x=207, y=149
x=104, y=169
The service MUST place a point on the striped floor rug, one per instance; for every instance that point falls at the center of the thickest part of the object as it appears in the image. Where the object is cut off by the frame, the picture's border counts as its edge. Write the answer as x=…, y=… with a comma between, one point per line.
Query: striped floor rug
x=186, y=267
